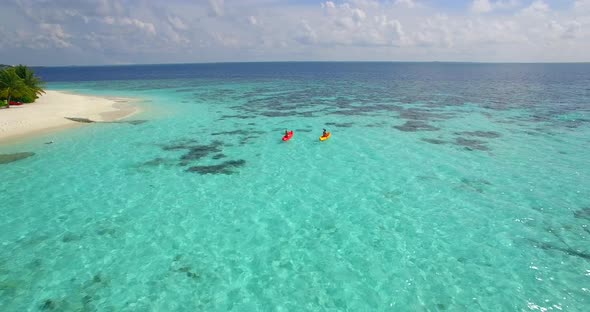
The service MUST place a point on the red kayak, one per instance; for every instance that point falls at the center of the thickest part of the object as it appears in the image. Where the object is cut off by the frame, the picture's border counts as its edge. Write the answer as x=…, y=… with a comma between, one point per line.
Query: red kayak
x=288, y=136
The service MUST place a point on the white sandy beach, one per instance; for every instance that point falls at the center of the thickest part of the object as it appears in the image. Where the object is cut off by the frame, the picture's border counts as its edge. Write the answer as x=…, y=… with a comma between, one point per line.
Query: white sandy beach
x=49, y=111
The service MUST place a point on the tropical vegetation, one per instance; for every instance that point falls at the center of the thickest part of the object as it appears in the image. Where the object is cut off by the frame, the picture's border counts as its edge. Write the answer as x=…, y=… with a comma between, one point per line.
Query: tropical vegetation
x=19, y=84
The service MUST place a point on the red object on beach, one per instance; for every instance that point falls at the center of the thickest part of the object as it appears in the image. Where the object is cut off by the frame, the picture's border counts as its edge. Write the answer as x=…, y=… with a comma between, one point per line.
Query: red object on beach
x=16, y=103
x=288, y=136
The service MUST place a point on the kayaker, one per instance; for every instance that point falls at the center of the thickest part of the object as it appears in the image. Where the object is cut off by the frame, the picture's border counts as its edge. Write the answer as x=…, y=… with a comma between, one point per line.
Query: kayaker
x=286, y=133
x=325, y=134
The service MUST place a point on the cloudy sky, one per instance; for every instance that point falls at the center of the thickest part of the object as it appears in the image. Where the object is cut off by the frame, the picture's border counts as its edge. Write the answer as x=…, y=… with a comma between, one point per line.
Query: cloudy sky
x=86, y=32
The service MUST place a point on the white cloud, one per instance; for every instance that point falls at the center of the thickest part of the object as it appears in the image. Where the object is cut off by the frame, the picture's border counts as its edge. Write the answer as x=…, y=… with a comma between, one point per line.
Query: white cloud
x=481, y=6
x=307, y=35
x=109, y=7
x=115, y=31
x=407, y=3
x=572, y=30
x=217, y=6
x=358, y=15
x=328, y=5
x=360, y=23
x=227, y=40
x=508, y=4
x=56, y=35
x=177, y=22
x=485, y=6
x=147, y=27
x=537, y=8
x=565, y=30
x=109, y=20
x=582, y=5
x=252, y=20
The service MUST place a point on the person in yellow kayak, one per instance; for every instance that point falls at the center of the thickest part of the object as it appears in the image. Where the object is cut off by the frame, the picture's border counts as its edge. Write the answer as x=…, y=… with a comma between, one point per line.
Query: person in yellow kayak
x=325, y=135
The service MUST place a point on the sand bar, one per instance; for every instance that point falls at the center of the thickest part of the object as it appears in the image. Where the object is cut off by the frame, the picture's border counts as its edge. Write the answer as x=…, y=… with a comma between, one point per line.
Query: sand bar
x=49, y=113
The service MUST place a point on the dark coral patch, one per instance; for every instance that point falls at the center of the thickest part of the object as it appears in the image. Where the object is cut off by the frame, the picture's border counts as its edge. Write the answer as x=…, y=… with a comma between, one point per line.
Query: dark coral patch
x=245, y=140
x=86, y=300
x=567, y=250
x=583, y=213
x=189, y=272
x=106, y=231
x=375, y=125
x=36, y=263
x=477, y=185
x=416, y=114
x=415, y=126
x=277, y=114
x=434, y=141
x=366, y=109
x=236, y=116
x=218, y=156
x=347, y=112
x=472, y=144
x=195, y=151
x=70, y=237
x=199, y=151
x=154, y=162
x=8, y=158
x=97, y=278
x=186, y=269
x=179, y=145
x=340, y=124
x=223, y=168
x=481, y=134
x=230, y=132
x=48, y=305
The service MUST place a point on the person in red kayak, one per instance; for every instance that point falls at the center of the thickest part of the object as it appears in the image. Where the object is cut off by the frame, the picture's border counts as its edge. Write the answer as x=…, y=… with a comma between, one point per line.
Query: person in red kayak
x=288, y=135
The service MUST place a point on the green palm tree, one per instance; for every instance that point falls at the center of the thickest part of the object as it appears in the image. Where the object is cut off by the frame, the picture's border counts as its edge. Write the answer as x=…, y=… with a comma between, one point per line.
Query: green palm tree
x=11, y=85
x=31, y=81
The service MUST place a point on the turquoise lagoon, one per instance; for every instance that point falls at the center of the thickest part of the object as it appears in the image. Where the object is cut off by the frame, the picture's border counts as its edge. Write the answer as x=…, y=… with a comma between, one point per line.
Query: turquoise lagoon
x=444, y=187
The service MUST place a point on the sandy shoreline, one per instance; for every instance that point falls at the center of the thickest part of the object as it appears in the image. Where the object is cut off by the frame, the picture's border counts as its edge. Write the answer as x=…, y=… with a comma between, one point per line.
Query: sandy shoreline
x=48, y=114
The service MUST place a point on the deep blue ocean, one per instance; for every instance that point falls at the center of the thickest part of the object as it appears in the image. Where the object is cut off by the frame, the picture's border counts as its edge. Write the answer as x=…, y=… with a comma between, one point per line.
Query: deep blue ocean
x=444, y=187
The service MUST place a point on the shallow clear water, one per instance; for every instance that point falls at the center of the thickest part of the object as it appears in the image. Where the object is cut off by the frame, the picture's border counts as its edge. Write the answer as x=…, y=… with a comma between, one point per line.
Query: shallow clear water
x=454, y=187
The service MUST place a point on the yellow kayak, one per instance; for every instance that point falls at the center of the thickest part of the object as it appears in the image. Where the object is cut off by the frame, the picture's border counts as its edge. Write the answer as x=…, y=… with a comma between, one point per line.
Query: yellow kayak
x=323, y=138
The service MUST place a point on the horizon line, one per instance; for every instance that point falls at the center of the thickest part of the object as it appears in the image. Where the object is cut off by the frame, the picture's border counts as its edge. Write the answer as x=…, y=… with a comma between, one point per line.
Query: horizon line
x=262, y=62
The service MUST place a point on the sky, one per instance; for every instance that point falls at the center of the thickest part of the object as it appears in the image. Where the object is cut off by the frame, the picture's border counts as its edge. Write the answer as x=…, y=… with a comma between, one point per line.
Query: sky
x=99, y=32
